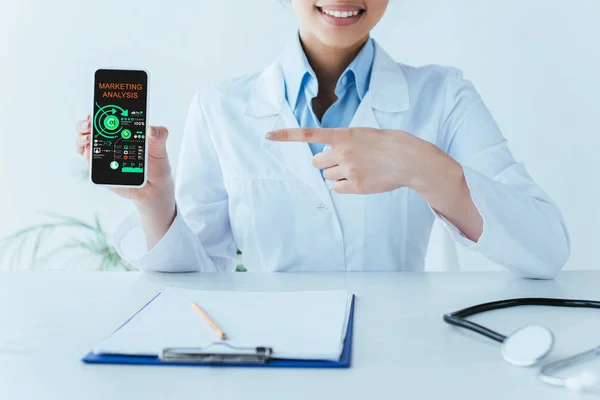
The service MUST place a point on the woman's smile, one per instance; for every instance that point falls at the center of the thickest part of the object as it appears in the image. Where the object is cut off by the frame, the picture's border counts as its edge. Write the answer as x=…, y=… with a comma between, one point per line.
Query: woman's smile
x=341, y=14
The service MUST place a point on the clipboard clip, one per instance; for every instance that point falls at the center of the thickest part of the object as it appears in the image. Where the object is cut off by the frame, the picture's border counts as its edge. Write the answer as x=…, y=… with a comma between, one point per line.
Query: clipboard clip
x=229, y=355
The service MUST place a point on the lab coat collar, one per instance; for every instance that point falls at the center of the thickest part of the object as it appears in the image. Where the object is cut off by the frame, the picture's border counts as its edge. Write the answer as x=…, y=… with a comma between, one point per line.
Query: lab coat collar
x=388, y=88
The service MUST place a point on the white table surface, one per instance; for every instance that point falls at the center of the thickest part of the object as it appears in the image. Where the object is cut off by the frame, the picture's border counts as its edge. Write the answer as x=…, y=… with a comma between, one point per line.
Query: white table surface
x=402, y=349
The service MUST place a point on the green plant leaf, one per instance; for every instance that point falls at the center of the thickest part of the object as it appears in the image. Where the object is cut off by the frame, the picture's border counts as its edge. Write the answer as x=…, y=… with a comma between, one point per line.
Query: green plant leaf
x=36, y=246
x=240, y=268
x=16, y=259
x=65, y=220
x=93, y=241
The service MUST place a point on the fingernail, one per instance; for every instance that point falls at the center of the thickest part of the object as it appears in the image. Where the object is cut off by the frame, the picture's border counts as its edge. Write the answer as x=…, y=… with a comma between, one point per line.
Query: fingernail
x=154, y=132
x=270, y=135
x=85, y=125
x=84, y=138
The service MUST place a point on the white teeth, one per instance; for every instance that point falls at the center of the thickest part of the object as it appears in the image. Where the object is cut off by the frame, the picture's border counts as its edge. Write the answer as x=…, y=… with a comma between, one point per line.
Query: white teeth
x=341, y=14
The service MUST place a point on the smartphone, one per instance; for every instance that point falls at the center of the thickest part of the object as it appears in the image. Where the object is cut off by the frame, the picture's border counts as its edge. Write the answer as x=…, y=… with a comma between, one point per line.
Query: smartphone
x=118, y=142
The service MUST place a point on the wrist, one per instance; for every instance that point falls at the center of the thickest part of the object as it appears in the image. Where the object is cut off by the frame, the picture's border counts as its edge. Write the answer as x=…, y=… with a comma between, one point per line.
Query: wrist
x=439, y=180
x=159, y=196
x=156, y=219
x=429, y=163
x=157, y=206
x=158, y=210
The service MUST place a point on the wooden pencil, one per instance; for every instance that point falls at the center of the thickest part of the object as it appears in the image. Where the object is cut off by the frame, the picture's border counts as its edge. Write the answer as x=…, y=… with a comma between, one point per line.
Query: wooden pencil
x=222, y=335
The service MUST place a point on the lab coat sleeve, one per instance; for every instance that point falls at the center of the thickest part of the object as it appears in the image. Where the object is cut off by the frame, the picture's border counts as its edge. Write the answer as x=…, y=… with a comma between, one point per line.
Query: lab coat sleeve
x=523, y=230
x=200, y=237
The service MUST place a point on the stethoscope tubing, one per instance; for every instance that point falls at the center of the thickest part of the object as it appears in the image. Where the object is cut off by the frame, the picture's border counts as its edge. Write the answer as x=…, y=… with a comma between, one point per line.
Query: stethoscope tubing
x=457, y=318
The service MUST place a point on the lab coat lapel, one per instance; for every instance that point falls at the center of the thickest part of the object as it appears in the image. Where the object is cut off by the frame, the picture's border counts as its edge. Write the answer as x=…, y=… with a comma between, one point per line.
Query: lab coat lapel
x=388, y=94
x=388, y=85
x=267, y=104
x=364, y=116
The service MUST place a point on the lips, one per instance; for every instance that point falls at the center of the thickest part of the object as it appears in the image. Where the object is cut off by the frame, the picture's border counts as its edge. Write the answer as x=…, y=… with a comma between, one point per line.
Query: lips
x=341, y=14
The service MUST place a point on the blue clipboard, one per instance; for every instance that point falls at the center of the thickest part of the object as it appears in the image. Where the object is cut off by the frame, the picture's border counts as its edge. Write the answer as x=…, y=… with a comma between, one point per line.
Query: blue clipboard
x=344, y=361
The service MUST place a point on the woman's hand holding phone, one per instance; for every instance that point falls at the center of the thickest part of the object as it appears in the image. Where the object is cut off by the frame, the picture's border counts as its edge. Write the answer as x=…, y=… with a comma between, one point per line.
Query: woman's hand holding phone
x=155, y=201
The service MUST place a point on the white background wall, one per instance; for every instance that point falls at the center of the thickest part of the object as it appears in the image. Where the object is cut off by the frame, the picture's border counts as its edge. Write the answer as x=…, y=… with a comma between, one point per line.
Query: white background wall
x=536, y=63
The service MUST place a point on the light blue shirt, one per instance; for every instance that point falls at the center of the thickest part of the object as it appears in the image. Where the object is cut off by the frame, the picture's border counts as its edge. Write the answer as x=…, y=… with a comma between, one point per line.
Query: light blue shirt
x=301, y=86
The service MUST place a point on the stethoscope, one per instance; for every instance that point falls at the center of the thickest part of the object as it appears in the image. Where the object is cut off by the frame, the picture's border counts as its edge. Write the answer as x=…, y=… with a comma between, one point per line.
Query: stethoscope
x=529, y=345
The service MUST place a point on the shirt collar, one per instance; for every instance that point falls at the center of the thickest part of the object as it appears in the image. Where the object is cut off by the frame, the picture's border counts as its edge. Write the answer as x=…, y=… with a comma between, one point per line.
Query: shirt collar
x=297, y=71
x=360, y=69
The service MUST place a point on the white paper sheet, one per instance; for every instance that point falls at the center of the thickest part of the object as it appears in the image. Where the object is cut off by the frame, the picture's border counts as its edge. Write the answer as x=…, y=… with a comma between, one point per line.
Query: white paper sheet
x=296, y=325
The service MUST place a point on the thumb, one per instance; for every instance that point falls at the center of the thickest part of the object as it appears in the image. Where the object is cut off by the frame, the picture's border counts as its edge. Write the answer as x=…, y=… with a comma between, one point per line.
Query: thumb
x=157, y=143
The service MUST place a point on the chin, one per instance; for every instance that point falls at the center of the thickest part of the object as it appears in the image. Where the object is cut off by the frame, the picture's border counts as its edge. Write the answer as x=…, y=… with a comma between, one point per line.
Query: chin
x=339, y=39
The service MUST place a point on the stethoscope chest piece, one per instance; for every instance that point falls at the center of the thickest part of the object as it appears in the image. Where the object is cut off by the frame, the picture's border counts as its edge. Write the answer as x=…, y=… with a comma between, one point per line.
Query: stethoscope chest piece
x=528, y=345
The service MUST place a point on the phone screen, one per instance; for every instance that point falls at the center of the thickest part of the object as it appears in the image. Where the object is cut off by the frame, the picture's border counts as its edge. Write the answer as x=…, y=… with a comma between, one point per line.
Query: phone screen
x=118, y=141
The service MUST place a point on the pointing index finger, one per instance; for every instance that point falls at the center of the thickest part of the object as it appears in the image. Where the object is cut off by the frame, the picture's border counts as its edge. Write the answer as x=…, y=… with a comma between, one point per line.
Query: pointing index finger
x=308, y=135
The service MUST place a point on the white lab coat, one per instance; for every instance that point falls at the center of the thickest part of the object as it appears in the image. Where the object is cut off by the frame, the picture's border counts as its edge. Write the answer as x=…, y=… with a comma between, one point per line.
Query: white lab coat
x=236, y=189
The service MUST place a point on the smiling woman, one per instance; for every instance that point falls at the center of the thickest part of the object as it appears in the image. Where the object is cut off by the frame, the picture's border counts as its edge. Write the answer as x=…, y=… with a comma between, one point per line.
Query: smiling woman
x=377, y=150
